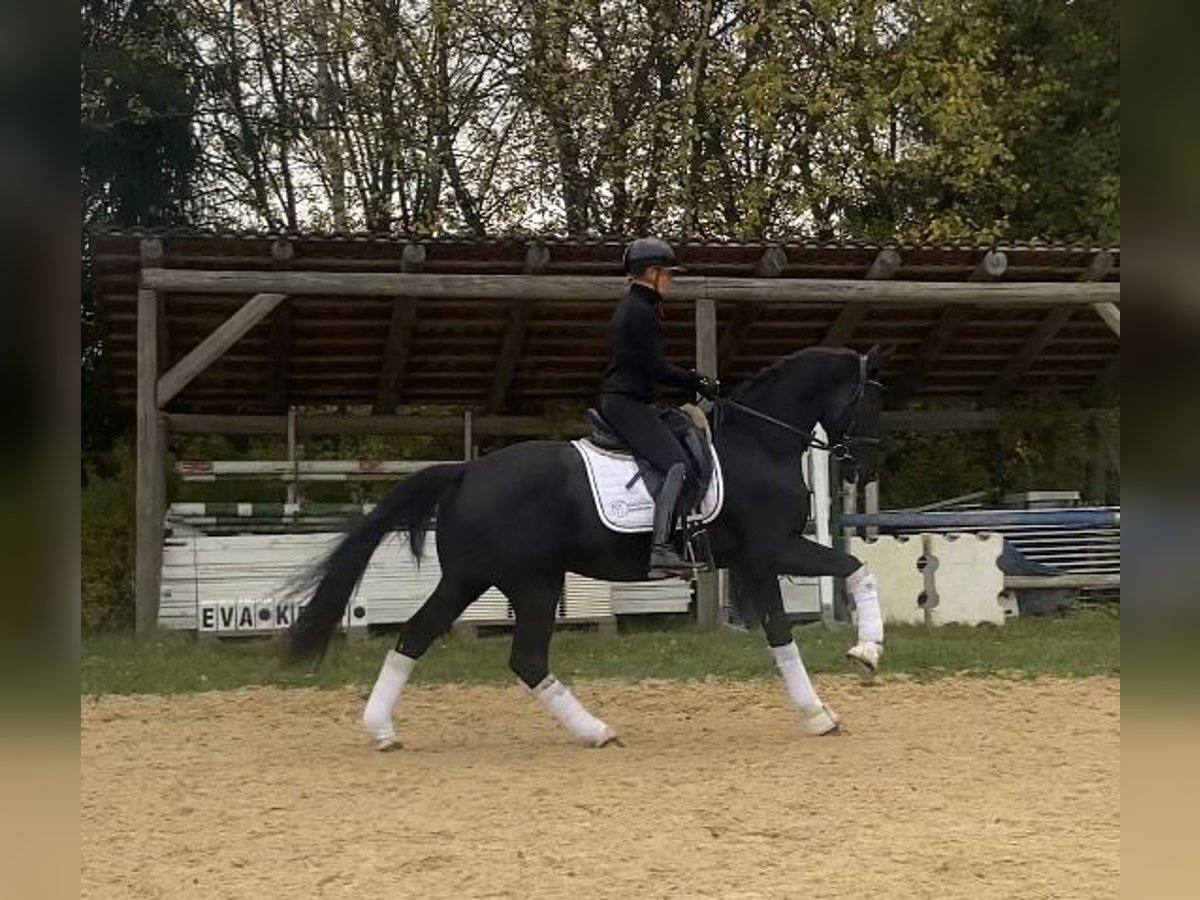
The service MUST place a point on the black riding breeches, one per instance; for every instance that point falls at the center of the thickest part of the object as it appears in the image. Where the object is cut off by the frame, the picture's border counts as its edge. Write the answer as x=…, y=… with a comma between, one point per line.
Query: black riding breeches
x=641, y=428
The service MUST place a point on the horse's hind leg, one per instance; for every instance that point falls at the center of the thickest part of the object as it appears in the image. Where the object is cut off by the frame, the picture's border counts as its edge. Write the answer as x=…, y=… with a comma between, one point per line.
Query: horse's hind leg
x=434, y=618
x=534, y=605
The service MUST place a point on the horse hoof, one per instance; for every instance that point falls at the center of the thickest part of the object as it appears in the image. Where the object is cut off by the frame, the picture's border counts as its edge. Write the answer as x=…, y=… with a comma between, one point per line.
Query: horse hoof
x=820, y=722
x=612, y=741
x=385, y=745
x=866, y=675
x=865, y=658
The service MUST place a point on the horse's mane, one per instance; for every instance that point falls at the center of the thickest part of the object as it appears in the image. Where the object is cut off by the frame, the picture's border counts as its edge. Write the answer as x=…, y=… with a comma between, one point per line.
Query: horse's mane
x=766, y=377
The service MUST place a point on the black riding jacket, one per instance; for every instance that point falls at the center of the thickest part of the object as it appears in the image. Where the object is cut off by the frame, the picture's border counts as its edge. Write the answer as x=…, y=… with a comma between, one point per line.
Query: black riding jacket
x=636, y=363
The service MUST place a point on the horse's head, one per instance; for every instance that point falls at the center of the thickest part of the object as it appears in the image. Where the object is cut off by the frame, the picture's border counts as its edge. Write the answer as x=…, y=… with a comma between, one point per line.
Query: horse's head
x=852, y=417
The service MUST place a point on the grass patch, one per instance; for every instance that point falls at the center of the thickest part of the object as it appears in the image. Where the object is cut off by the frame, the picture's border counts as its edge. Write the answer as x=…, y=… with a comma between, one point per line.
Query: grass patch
x=1087, y=642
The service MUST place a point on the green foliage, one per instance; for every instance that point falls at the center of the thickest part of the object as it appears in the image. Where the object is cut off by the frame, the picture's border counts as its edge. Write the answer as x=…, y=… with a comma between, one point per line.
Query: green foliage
x=106, y=541
x=924, y=468
x=916, y=119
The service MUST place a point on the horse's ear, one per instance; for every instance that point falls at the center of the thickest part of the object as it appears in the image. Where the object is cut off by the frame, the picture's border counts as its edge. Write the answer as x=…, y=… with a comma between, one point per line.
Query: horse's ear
x=874, y=358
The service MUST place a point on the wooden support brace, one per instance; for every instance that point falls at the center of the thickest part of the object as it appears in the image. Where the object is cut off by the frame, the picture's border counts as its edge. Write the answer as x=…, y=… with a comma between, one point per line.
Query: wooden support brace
x=398, y=346
x=1026, y=355
x=537, y=259
x=1111, y=314
x=931, y=349
x=210, y=349
x=884, y=266
x=771, y=264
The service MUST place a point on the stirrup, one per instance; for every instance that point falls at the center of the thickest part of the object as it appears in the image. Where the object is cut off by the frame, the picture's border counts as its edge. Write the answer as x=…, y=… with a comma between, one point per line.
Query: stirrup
x=668, y=563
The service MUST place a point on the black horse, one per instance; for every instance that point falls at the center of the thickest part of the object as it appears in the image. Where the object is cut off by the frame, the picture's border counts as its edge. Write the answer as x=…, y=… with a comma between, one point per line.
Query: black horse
x=521, y=517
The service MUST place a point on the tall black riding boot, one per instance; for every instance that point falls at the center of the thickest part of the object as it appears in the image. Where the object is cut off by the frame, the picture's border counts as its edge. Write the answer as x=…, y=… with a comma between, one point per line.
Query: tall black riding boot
x=664, y=559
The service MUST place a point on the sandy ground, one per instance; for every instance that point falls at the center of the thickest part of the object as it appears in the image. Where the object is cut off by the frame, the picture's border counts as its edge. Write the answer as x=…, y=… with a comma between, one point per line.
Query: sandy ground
x=967, y=788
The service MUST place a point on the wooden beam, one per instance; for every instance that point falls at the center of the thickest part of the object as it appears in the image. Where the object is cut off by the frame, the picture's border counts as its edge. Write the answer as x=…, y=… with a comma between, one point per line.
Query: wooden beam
x=930, y=350
x=599, y=287
x=1026, y=355
x=398, y=346
x=277, y=350
x=395, y=354
x=884, y=266
x=848, y=319
x=150, y=488
x=1034, y=582
x=210, y=349
x=1098, y=267
x=771, y=264
x=991, y=268
x=537, y=258
x=309, y=425
x=1111, y=314
x=922, y=420
x=734, y=336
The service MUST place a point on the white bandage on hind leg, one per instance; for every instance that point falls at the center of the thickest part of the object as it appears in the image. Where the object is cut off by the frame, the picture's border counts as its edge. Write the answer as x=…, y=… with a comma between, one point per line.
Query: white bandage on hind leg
x=393, y=676
x=795, y=676
x=570, y=713
x=864, y=590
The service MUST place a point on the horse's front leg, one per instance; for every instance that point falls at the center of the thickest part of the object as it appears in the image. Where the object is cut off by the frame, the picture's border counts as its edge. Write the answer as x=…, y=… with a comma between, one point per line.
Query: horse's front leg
x=815, y=717
x=800, y=556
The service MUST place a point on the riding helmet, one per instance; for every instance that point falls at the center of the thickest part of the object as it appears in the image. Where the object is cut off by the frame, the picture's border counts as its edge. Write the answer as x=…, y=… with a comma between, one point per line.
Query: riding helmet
x=646, y=252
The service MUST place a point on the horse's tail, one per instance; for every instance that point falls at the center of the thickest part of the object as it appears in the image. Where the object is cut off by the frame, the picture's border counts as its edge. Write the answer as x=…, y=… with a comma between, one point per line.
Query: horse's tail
x=408, y=506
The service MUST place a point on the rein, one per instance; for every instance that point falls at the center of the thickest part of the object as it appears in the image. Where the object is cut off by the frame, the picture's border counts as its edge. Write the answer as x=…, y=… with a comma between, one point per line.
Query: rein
x=841, y=450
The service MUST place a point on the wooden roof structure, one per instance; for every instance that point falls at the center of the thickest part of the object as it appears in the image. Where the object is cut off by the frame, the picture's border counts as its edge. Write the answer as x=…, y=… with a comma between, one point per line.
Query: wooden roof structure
x=505, y=325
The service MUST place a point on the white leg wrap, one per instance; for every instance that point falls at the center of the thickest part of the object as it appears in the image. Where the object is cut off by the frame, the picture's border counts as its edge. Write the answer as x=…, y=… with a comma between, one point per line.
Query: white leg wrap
x=795, y=676
x=570, y=713
x=864, y=589
x=377, y=716
x=815, y=717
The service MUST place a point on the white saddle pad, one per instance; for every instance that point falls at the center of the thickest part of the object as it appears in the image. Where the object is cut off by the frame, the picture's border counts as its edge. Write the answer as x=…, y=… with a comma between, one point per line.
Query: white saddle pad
x=631, y=509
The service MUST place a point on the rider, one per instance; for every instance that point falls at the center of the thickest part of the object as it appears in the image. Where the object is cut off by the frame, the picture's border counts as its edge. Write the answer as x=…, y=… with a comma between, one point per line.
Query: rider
x=635, y=366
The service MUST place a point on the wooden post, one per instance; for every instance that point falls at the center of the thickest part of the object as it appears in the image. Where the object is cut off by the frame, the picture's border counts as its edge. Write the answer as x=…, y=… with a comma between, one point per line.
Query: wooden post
x=151, y=477
x=871, y=505
x=1097, y=488
x=468, y=434
x=849, y=505
x=293, y=495
x=708, y=584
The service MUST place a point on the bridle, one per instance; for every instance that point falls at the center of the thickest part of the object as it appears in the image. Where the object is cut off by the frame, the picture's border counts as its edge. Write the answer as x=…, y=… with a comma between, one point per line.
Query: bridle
x=842, y=449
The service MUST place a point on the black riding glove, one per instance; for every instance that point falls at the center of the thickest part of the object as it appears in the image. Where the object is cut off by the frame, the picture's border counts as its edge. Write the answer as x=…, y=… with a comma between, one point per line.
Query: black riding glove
x=708, y=388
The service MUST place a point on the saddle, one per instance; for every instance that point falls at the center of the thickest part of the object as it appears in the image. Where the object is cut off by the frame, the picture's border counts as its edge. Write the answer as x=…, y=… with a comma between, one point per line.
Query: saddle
x=689, y=426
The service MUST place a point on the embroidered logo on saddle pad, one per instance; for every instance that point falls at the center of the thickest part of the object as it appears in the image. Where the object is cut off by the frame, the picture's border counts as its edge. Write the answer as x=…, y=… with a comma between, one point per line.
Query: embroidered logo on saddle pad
x=629, y=508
